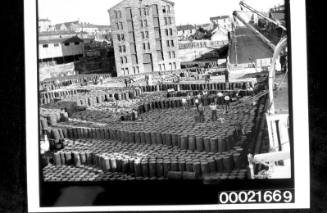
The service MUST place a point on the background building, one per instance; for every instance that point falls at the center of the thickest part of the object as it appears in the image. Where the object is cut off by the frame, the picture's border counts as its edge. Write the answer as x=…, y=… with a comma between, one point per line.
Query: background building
x=144, y=36
x=60, y=50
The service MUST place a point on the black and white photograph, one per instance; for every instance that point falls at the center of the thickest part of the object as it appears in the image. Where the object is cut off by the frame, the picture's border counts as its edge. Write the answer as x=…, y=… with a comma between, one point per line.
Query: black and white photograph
x=184, y=105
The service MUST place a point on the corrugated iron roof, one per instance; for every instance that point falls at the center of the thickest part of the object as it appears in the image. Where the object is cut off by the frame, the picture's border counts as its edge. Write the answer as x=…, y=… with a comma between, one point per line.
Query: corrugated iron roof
x=219, y=17
x=61, y=40
x=185, y=27
x=167, y=1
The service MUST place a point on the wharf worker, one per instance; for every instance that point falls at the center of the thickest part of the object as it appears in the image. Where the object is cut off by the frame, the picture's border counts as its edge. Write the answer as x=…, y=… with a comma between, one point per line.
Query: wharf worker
x=197, y=102
x=227, y=102
x=184, y=103
x=220, y=98
x=63, y=115
x=201, y=113
x=134, y=115
x=188, y=99
x=205, y=97
x=96, y=80
x=213, y=108
x=101, y=80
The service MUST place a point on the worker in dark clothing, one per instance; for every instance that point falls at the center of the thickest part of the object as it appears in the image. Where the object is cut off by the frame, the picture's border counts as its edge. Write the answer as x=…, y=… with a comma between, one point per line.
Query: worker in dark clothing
x=201, y=113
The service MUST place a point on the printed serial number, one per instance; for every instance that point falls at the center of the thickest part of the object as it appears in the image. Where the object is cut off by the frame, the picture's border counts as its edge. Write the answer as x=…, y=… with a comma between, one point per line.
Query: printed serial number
x=256, y=196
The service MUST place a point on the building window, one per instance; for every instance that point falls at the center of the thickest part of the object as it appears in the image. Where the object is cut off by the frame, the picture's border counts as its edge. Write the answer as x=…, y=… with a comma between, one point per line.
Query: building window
x=134, y=70
x=160, y=67
x=164, y=67
x=127, y=71
x=171, y=31
x=45, y=45
x=76, y=43
x=66, y=44
x=166, y=22
x=144, y=47
x=146, y=11
x=120, y=49
x=155, y=10
x=118, y=37
x=172, y=43
x=174, y=55
x=56, y=45
x=119, y=14
x=142, y=34
x=157, y=33
x=169, y=20
x=116, y=14
x=171, y=66
x=168, y=9
x=168, y=43
x=117, y=26
x=164, y=9
x=125, y=57
x=175, y=67
x=155, y=22
x=121, y=25
x=121, y=60
x=133, y=48
x=122, y=37
x=123, y=70
x=124, y=48
x=145, y=23
x=167, y=34
x=129, y=15
x=146, y=34
x=134, y=59
x=148, y=45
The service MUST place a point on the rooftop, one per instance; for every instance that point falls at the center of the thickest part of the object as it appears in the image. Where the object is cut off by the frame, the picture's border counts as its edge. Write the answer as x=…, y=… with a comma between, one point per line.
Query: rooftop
x=60, y=40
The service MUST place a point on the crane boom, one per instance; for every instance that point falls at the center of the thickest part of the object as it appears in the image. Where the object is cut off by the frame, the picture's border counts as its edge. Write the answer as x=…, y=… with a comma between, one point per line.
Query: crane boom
x=267, y=41
x=242, y=3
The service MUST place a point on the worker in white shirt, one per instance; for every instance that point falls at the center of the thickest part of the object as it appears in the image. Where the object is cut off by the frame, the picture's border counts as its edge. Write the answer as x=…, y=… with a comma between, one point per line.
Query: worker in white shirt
x=227, y=102
x=197, y=103
x=184, y=103
x=213, y=108
x=220, y=98
x=101, y=80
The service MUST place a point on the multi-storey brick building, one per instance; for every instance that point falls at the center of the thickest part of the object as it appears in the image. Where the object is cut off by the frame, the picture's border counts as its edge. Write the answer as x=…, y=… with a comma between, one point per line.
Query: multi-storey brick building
x=144, y=36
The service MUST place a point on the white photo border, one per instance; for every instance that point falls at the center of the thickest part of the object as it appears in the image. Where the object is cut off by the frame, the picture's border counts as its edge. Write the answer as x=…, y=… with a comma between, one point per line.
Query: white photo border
x=300, y=123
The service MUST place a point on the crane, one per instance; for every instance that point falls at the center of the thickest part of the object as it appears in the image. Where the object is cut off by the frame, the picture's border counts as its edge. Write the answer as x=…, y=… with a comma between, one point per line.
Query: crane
x=279, y=152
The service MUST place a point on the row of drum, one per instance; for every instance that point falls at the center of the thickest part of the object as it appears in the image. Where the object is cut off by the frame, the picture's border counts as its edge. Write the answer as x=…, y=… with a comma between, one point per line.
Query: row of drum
x=186, y=142
x=150, y=167
x=199, y=86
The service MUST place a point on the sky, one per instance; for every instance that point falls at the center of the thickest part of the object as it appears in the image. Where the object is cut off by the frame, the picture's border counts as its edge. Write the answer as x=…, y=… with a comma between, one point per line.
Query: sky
x=186, y=11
